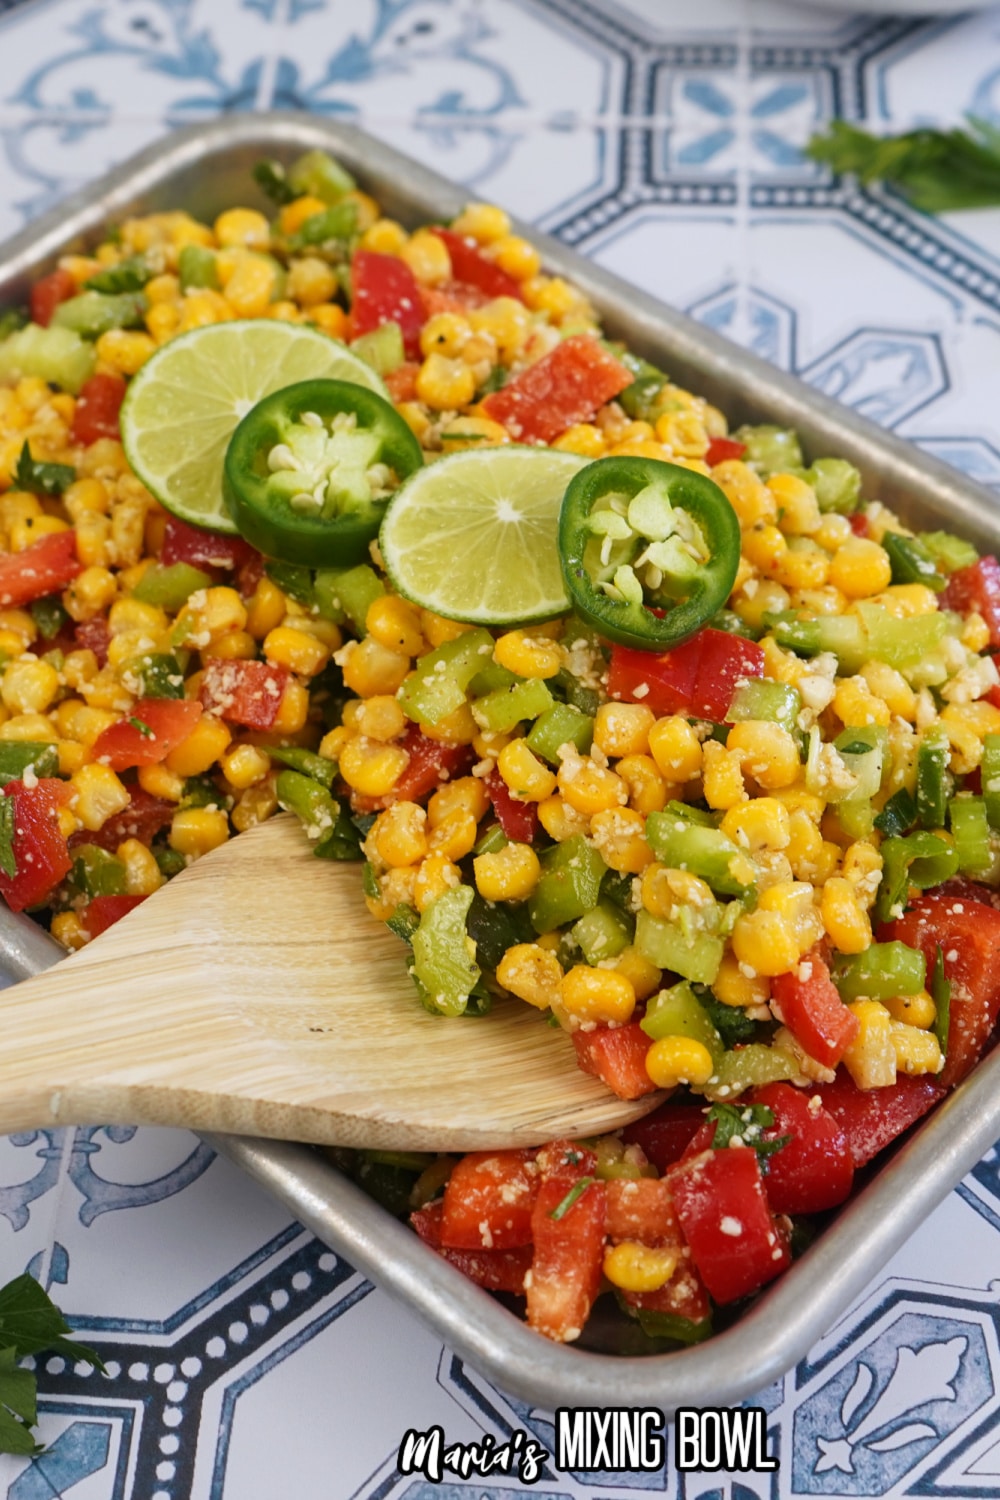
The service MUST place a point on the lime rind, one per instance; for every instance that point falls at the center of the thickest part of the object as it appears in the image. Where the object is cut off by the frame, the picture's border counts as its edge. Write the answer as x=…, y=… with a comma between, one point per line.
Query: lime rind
x=474, y=536
x=186, y=401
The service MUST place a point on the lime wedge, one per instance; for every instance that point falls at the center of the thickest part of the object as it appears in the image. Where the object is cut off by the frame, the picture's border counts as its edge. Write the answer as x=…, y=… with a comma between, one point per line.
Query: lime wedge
x=474, y=536
x=183, y=406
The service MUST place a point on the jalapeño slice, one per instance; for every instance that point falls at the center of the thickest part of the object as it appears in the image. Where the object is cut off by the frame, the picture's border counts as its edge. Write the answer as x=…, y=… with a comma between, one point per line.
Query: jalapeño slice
x=309, y=471
x=649, y=550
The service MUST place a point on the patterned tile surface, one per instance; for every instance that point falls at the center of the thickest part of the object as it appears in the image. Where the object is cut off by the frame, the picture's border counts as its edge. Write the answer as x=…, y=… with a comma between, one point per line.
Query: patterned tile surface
x=248, y=1361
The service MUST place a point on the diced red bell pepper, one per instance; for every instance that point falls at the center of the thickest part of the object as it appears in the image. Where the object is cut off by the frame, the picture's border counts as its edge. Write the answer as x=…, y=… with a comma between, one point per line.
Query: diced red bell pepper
x=146, y=735
x=808, y=1002
x=665, y=1134
x=471, y=267
x=872, y=1118
x=97, y=408
x=815, y=1169
x=203, y=549
x=567, y=1263
x=570, y=384
x=402, y=382
x=642, y=1208
x=519, y=820
x=93, y=635
x=104, y=911
x=45, y=567
x=142, y=819
x=698, y=677
x=968, y=933
x=39, y=845
x=47, y=293
x=736, y=1244
x=977, y=588
x=683, y=1296
x=722, y=449
x=617, y=1056
x=496, y=1270
x=454, y=297
x=561, y=1157
x=488, y=1201
x=385, y=290
x=431, y=762
x=858, y=522
x=243, y=692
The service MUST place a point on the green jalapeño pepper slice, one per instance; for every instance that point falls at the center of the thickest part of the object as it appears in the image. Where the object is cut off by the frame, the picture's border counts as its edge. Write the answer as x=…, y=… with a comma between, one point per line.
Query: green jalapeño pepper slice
x=309, y=471
x=649, y=550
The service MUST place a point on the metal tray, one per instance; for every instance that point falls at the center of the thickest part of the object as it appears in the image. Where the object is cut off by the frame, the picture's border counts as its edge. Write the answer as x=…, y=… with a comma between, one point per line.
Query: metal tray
x=206, y=169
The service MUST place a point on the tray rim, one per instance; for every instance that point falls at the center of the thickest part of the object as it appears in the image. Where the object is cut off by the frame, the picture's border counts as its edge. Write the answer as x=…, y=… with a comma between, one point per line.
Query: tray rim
x=786, y=1320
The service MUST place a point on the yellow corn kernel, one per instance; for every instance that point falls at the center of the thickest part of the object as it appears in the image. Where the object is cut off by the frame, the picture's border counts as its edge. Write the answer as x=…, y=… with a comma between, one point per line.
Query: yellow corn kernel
x=803, y=566
x=844, y=917
x=311, y=282
x=528, y=779
x=436, y=875
x=510, y=874
x=399, y=835
x=457, y=728
x=250, y=289
x=767, y=752
x=516, y=256
x=380, y=718
x=905, y=601
x=244, y=765
x=588, y=994
x=25, y=533
x=860, y=567
x=663, y=890
x=125, y=350
x=255, y=805
x=244, y=226
x=917, y=1050
x=527, y=654
x=384, y=236
x=11, y=644
x=862, y=868
x=554, y=296
x=506, y=321
x=158, y=781
x=133, y=615
x=588, y=787
x=466, y=794
x=871, y=1057
x=760, y=824
x=975, y=632
x=395, y=888
x=165, y=288
x=797, y=506
x=733, y=986
x=142, y=874
x=293, y=710
x=437, y=629
x=639, y=1268
x=855, y=704
x=195, y=831
x=583, y=438
x=71, y=756
x=213, y=610
x=915, y=1010
x=622, y=729
x=643, y=976
x=892, y=688
x=265, y=609
x=295, y=649
x=78, y=721
x=766, y=942
x=722, y=772
x=67, y=928
x=163, y=320
x=484, y=222
x=294, y=214
x=674, y=1060
x=472, y=432
x=29, y=685
x=371, y=669
x=531, y=973
x=804, y=850
x=619, y=837
x=86, y=496
x=208, y=740
x=200, y=309
x=445, y=333
x=445, y=384
x=395, y=624
x=18, y=622
x=17, y=506
x=967, y=725
x=455, y=835
x=234, y=645
x=794, y=899
x=97, y=795
x=28, y=727
x=758, y=597
x=561, y=821
x=751, y=499
x=370, y=767
x=675, y=748
x=764, y=545
x=646, y=788
x=427, y=256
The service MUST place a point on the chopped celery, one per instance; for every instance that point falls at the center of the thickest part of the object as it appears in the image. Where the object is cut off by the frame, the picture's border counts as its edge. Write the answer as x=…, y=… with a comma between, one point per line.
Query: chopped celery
x=991, y=778
x=443, y=953
x=90, y=314
x=707, y=852
x=679, y=946
x=841, y=634
x=382, y=348
x=864, y=752
x=499, y=711
x=54, y=354
x=911, y=561
x=348, y=593
x=437, y=685
x=971, y=831
x=770, y=450
x=569, y=886
x=17, y=755
x=678, y=1012
x=198, y=267
x=169, y=587
x=949, y=552
x=602, y=932
x=904, y=643
x=881, y=972
x=96, y=872
x=749, y=1067
x=317, y=174
x=562, y=724
x=934, y=780
x=758, y=698
x=836, y=485
x=921, y=859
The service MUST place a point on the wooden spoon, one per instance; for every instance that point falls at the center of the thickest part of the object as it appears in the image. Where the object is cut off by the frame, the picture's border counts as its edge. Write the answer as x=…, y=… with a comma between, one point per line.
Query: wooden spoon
x=255, y=994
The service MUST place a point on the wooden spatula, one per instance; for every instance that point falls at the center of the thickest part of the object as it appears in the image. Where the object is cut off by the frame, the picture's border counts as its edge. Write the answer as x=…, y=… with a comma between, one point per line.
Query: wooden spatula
x=255, y=994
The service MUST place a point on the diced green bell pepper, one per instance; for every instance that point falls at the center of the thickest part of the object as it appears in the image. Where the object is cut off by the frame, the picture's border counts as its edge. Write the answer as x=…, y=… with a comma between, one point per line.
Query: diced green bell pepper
x=684, y=949
x=836, y=485
x=569, y=885
x=306, y=762
x=437, y=685
x=881, y=972
x=706, y=852
x=771, y=450
x=934, y=780
x=54, y=354
x=603, y=932
x=317, y=174
x=96, y=872
x=990, y=771
x=921, y=859
x=443, y=953
x=971, y=831
x=677, y=1011
x=749, y=1067
x=90, y=314
x=949, y=552
x=197, y=267
x=17, y=755
x=912, y=561
x=560, y=725
x=776, y=702
x=526, y=698
x=382, y=348
x=156, y=674
x=169, y=587
x=348, y=593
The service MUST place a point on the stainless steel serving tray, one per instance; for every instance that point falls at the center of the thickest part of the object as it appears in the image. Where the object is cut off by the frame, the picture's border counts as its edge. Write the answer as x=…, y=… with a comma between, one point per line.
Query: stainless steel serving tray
x=207, y=168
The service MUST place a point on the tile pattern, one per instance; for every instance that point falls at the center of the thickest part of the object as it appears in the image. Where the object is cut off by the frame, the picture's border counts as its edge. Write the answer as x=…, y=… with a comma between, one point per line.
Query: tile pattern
x=664, y=141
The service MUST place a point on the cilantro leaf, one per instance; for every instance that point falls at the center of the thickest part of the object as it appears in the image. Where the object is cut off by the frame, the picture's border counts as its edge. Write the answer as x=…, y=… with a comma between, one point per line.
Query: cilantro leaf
x=8, y=861
x=937, y=170
x=745, y=1123
x=898, y=815
x=143, y=728
x=129, y=275
x=940, y=989
x=29, y=1323
x=271, y=178
x=41, y=479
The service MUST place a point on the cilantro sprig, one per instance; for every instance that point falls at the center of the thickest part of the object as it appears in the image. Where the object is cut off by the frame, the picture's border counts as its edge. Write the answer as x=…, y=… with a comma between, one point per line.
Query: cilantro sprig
x=40, y=478
x=29, y=1323
x=746, y=1123
x=937, y=170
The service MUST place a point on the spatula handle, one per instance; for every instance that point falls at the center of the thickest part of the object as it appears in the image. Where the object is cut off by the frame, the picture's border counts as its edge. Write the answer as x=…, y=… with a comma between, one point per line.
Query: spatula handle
x=25, y=948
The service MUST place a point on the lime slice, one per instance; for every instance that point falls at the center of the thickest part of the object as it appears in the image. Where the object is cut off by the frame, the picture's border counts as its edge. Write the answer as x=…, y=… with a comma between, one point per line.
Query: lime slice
x=183, y=406
x=474, y=536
